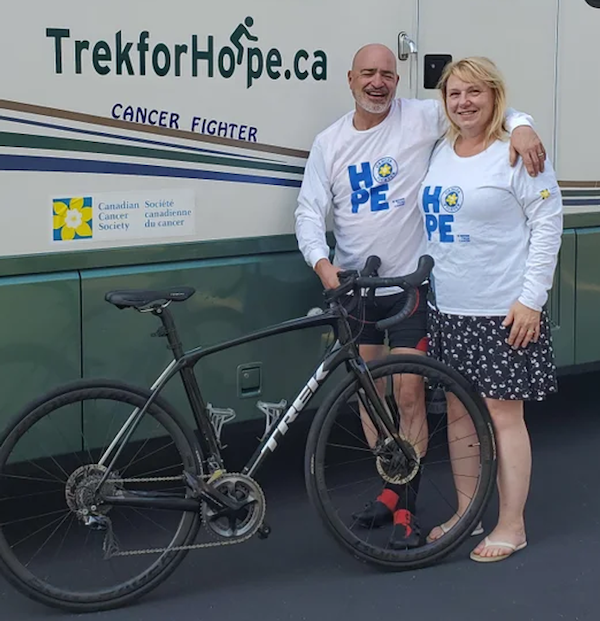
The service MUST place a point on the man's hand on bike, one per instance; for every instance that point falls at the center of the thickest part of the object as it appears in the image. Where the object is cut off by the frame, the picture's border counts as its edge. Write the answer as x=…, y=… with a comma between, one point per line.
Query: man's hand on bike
x=525, y=325
x=328, y=274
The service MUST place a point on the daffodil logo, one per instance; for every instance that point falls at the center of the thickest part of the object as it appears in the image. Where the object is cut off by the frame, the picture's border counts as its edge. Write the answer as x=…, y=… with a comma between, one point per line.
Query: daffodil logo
x=72, y=218
x=545, y=194
x=452, y=199
x=385, y=169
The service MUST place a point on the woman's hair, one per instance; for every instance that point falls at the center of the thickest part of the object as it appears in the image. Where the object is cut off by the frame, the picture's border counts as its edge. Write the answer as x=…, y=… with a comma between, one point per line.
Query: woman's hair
x=478, y=70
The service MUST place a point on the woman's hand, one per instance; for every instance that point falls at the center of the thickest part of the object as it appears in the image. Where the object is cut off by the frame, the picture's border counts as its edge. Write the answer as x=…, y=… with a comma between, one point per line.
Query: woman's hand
x=525, y=325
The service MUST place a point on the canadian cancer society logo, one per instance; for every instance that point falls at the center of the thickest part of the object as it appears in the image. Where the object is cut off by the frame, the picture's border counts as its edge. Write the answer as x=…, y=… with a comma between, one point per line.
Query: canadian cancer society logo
x=385, y=169
x=452, y=199
x=72, y=218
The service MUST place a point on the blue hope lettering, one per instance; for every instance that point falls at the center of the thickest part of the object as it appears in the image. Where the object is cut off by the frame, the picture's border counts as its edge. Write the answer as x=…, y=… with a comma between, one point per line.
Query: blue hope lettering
x=364, y=176
x=431, y=225
x=377, y=196
x=361, y=181
x=359, y=198
x=432, y=200
x=445, y=228
x=441, y=223
x=378, y=202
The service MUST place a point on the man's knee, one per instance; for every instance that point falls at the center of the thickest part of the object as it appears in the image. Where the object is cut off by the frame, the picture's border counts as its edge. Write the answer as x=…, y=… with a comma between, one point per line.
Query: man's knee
x=372, y=352
x=411, y=397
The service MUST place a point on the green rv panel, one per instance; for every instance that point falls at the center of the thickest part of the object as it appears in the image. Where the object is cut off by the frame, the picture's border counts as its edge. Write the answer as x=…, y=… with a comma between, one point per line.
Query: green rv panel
x=233, y=297
x=561, y=302
x=587, y=334
x=41, y=348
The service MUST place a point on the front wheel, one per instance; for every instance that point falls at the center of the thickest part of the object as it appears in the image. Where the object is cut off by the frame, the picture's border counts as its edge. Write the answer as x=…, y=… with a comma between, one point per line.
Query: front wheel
x=57, y=545
x=448, y=467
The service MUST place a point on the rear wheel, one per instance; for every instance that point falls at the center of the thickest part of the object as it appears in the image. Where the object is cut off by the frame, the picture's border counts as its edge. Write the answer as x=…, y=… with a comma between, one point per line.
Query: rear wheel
x=345, y=469
x=57, y=545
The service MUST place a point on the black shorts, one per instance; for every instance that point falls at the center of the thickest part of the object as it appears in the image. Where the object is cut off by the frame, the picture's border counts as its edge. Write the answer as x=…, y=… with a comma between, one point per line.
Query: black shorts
x=412, y=332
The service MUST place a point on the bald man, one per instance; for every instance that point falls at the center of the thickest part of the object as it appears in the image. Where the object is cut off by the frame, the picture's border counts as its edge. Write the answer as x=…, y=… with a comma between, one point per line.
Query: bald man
x=367, y=167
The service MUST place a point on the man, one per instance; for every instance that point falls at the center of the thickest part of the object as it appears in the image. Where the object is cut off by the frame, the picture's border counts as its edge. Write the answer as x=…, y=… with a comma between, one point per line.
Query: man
x=368, y=167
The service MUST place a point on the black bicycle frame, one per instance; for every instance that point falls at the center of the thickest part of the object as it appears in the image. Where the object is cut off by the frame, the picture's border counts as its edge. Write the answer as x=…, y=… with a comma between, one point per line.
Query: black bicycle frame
x=343, y=350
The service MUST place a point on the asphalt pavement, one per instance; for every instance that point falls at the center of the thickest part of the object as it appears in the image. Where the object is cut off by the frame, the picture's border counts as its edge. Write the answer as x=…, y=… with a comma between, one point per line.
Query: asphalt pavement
x=299, y=573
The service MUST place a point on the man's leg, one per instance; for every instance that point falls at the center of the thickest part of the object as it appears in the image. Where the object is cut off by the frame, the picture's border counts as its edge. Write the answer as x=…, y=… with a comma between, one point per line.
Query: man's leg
x=410, y=395
x=397, y=502
x=369, y=353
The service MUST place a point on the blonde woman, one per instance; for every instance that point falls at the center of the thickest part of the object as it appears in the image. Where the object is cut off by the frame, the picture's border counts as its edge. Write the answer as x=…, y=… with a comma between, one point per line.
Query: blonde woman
x=494, y=232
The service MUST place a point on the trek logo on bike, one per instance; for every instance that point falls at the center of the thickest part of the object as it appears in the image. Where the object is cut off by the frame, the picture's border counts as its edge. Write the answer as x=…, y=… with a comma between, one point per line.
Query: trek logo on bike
x=362, y=181
x=450, y=200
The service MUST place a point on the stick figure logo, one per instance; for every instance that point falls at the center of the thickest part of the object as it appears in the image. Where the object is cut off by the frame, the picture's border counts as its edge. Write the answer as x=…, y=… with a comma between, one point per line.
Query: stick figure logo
x=238, y=33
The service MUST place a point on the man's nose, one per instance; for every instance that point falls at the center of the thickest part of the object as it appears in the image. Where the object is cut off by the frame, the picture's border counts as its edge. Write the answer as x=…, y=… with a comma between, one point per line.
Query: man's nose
x=377, y=80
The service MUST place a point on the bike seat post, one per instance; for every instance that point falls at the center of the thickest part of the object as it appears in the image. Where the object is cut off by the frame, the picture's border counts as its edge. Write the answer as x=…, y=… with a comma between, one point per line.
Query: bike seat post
x=164, y=314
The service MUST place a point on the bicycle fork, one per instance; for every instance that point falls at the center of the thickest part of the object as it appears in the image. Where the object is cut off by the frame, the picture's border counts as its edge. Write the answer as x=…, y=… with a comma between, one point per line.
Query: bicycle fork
x=377, y=409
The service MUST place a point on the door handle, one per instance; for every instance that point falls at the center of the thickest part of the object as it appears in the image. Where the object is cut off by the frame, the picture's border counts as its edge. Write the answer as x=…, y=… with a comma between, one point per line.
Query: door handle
x=406, y=46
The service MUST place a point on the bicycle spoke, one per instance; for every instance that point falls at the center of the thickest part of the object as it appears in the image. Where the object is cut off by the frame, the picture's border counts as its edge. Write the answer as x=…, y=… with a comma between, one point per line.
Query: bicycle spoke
x=152, y=454
x=39, y=530
x=350, y=448
x=34, y=517
x=32, y=495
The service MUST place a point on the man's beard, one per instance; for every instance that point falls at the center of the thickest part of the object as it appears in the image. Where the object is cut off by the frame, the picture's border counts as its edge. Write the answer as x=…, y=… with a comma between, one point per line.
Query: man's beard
x=370, y=106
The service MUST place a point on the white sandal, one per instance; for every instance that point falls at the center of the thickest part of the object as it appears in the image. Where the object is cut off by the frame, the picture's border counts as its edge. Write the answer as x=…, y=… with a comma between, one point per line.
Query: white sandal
x=478, y=530
x=496, y=544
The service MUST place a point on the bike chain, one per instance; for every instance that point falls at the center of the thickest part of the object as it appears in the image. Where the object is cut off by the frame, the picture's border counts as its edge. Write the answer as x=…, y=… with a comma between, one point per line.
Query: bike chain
x=195, y=546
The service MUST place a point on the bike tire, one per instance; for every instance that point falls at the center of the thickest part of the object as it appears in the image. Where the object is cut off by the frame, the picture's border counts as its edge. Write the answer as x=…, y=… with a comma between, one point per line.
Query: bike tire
x=416, y=558
x=186, y=444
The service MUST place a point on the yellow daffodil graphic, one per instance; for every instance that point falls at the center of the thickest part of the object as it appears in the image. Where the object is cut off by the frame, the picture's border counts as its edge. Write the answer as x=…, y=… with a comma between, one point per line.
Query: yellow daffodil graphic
x=545, y=194
x=385, y=170
x=451, y=199
x=72, y=218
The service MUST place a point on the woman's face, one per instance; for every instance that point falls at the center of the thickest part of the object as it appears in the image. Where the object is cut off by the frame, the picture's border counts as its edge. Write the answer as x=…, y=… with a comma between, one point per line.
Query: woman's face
x=470, y=105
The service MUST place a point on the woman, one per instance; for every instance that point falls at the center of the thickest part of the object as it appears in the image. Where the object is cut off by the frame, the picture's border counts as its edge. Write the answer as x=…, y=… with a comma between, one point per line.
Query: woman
x=494, y=233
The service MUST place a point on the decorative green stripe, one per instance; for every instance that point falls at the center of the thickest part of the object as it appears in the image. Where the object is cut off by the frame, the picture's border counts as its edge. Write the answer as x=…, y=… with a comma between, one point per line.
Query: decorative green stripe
x=146, y=255
x=581, y=193
x=29, y=141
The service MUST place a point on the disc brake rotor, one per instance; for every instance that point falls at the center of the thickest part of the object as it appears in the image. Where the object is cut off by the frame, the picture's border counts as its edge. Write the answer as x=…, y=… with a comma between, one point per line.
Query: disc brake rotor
x=80, y=489
x=393, y=465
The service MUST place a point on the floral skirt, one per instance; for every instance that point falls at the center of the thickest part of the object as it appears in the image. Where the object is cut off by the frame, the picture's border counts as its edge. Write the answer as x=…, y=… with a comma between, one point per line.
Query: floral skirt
x=476, y=347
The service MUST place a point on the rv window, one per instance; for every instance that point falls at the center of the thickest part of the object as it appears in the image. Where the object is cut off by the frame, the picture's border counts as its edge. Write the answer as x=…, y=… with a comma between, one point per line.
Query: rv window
x=594, y=3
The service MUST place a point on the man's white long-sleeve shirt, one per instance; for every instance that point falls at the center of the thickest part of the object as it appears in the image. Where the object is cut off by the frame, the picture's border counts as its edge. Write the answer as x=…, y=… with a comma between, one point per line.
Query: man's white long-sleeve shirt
x=371, y=180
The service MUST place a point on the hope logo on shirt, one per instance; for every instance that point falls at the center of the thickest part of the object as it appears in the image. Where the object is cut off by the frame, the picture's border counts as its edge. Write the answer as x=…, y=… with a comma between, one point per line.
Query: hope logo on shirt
x=362, y=181
x=432, y=200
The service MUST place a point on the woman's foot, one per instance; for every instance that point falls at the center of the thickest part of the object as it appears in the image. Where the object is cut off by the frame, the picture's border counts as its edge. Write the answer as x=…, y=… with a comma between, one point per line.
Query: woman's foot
x=499, y=545
x=439, y=531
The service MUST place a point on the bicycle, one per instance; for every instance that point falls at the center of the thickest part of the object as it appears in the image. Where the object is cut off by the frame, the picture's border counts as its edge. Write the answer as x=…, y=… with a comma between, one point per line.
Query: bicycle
x=97, y=475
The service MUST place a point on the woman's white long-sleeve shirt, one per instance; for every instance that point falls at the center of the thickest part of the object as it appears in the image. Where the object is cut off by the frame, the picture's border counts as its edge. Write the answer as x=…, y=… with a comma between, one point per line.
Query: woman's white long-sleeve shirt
x=493, y=231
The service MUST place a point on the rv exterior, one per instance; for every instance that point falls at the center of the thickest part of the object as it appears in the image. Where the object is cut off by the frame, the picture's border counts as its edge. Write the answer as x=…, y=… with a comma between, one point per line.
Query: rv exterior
x=164, y=144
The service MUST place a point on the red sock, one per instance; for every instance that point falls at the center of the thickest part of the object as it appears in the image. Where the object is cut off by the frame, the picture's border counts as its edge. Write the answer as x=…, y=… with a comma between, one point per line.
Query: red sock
x=388, y=498
x=403, y=516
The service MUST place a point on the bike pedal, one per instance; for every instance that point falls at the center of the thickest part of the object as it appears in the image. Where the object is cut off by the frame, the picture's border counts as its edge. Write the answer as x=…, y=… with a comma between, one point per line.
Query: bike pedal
x=264, y=531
